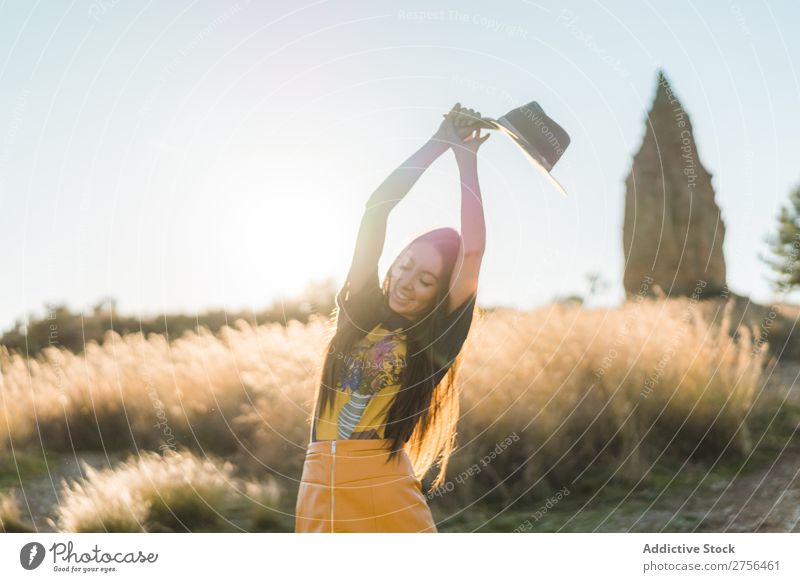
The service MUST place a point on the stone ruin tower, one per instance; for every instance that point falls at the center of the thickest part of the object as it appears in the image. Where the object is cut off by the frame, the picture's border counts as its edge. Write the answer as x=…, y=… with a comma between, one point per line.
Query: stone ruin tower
x=673, y=231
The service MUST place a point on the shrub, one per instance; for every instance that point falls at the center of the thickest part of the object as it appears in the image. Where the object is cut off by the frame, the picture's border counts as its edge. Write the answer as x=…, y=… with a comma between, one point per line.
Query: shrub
x=174, y=492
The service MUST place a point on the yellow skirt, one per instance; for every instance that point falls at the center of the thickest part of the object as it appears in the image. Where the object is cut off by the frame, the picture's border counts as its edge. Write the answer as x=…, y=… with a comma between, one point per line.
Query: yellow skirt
x=347, y=486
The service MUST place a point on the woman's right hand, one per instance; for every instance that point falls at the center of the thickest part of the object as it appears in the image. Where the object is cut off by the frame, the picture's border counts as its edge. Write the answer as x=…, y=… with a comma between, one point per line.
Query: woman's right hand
x=461, y=123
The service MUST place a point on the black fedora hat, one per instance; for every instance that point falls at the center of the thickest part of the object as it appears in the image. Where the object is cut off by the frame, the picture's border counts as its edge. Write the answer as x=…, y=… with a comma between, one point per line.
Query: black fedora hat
x=537, y=134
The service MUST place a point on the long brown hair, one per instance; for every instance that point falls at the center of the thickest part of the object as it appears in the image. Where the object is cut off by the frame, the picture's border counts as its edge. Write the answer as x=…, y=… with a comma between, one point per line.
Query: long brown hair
x=423, y=415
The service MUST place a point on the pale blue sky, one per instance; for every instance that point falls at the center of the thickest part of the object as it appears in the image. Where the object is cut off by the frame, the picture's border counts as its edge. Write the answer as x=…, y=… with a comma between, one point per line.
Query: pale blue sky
x=189, y=155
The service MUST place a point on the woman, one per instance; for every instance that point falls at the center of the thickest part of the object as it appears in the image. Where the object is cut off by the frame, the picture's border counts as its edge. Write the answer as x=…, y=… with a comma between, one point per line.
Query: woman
x=387, y=407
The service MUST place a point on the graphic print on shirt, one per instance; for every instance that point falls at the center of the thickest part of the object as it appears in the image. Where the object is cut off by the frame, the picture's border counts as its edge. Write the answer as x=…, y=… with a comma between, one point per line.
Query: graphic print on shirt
x=375, y=363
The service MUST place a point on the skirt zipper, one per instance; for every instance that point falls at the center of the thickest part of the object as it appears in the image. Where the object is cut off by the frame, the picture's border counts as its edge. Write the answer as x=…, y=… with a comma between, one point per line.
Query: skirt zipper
x=333, y=464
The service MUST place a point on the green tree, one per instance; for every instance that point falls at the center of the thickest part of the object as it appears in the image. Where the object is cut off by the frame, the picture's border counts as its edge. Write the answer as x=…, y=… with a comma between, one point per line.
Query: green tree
x=785, y=246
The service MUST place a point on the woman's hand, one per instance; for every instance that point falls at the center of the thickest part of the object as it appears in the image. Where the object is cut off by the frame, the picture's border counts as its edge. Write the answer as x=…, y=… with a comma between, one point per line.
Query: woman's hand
x=461, y=131
x=462, y=119
x=467, y=150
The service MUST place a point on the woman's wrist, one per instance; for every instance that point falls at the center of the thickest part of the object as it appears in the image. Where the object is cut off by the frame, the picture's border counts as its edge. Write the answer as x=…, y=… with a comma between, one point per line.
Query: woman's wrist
x=467, y=161
x=436, y=146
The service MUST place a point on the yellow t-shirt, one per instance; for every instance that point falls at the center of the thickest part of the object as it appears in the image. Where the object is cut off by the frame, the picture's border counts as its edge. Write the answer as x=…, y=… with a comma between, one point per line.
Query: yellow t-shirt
x=367, y=388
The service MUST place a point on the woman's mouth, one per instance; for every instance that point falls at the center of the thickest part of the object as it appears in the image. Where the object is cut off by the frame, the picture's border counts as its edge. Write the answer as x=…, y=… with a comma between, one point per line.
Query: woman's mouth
x=400, y=297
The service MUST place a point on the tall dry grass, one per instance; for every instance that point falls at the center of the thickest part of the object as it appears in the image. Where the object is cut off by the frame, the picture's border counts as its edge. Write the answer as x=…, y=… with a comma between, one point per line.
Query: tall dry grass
x=10, y=514
x=604, y=392
x=588, y=391
x=243, y=391
x=174, y=492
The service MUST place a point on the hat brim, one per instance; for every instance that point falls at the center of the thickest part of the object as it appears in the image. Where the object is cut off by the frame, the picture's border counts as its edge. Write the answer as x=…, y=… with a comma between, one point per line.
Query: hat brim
x=503, y=126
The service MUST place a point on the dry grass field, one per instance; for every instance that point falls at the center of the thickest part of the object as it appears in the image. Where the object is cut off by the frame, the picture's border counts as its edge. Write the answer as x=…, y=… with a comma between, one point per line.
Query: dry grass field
x=208, y=432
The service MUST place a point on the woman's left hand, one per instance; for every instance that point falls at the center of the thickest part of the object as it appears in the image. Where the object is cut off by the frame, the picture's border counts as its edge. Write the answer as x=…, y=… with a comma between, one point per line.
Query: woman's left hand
x=458, y=131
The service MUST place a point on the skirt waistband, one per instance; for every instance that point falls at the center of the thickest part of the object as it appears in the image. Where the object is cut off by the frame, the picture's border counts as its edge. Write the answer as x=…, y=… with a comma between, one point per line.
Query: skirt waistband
x=350, y=445
x=353, y=460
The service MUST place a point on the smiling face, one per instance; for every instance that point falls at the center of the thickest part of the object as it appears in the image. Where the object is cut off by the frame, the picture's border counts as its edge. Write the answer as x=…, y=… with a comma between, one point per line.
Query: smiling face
x=415, y=279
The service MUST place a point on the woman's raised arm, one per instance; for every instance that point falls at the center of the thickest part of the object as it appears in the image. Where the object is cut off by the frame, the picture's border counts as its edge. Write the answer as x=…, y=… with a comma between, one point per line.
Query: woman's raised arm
x=464, y=280
x=372, y=232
